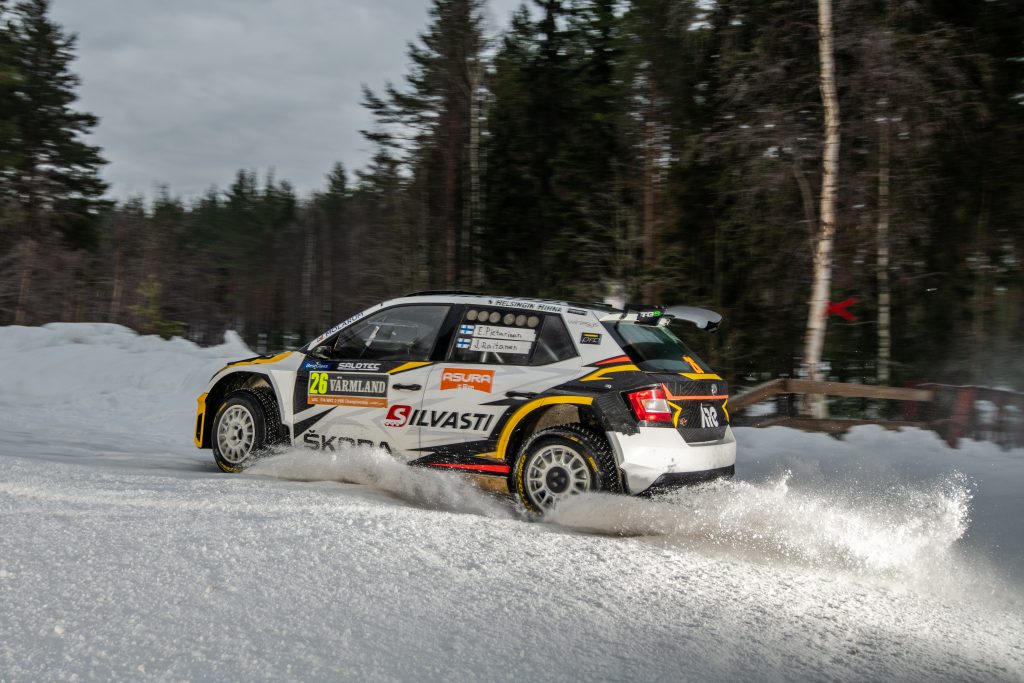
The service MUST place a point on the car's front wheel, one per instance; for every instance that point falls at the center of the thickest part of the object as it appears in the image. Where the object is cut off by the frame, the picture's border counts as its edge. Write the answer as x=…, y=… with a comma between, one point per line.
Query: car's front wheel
x=241, y=429
x=560, y=462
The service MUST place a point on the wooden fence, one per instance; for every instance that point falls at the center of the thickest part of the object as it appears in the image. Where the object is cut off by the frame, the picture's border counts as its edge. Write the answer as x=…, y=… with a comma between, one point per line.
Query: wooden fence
x=955, y=412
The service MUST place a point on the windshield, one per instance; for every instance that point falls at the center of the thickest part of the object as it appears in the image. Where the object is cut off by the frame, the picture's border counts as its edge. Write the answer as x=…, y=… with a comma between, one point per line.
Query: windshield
x=655, y=349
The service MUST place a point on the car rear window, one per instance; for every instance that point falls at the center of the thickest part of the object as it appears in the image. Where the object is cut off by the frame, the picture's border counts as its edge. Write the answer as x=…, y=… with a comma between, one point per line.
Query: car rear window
x=655, y=349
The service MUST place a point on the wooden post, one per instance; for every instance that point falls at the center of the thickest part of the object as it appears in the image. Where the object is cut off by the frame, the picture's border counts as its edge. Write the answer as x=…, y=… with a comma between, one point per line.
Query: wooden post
x=963, y=412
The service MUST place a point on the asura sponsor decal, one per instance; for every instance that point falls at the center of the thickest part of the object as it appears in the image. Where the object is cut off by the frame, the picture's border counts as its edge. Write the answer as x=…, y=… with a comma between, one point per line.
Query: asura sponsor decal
x=590, y=338
x=406, y=416
x=340, y=389
x=461, y=378
x=321, y=442
x=316, y=365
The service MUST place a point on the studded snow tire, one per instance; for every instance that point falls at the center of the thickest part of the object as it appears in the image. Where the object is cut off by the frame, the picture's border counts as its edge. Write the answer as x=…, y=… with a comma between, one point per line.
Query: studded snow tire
x=245, y=426
x=562, y=461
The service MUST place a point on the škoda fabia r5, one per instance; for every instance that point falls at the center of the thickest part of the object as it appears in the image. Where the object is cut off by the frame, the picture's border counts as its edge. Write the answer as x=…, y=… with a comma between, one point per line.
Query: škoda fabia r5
x=542, y=399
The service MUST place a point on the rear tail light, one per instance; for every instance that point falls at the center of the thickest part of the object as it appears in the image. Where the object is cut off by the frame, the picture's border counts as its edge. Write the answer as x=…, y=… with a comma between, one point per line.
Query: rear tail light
x=650, y=405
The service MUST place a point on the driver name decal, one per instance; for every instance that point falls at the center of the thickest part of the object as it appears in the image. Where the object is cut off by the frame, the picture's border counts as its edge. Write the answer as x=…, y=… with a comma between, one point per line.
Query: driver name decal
x=499, y=346
x=497, y=332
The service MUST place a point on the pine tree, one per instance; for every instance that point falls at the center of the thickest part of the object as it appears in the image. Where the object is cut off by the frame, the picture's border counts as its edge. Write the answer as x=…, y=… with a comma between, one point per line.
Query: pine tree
x=671, y=72
x=557, y=220
x=438, y=107
x=9, y=76
x=55, y=174
x=527, y=121
x=754, y=169
x=47, y=172
x=384, y=212
x=590, y=175
x=335, y=246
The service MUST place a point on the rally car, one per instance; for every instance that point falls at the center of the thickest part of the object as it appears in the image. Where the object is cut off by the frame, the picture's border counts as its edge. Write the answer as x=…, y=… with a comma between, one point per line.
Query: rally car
x=538, y=398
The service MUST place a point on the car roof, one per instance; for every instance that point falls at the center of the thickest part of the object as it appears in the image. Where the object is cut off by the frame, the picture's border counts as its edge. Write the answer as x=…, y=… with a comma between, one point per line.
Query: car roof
x=460, y=296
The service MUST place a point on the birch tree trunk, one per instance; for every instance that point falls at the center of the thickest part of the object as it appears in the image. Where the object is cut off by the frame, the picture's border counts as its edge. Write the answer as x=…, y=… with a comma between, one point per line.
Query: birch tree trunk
x=882, y=268
x=816, y=320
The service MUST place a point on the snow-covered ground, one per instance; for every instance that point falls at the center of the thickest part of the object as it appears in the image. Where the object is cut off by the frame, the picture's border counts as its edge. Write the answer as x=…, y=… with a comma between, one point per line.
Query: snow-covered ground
x=125, y=554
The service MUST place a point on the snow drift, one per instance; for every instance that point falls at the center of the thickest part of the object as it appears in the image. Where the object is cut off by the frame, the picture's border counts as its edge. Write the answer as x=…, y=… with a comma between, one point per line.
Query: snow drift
x=125, y=553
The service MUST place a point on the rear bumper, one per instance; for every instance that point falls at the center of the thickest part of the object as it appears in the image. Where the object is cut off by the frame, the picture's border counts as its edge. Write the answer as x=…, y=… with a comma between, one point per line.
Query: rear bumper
x=659, y=456
x=669, y=482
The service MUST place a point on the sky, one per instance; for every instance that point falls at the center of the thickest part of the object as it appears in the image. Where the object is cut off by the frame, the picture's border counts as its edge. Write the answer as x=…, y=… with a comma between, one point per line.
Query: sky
x=190, y=91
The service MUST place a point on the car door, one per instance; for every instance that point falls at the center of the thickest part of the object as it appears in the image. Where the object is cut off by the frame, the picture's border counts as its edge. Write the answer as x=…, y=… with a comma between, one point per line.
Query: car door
x=375, y=372
x=498, y=358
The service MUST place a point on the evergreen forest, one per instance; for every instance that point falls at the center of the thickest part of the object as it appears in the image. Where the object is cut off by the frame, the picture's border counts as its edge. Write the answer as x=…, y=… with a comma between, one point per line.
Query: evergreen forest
x=656, y=151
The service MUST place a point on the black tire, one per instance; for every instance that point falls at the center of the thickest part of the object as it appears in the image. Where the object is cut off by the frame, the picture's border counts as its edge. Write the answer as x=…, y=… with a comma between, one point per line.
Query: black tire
x=562, y=461
x=250, y=420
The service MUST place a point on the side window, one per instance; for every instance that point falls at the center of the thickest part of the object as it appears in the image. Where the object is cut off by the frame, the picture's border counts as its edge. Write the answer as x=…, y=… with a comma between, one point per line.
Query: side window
x=554, y=343
x=400, y=333
x=508, y=336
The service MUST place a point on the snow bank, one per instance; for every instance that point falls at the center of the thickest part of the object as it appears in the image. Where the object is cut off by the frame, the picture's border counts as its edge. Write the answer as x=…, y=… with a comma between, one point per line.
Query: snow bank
x=129, y=393
x=126, y=554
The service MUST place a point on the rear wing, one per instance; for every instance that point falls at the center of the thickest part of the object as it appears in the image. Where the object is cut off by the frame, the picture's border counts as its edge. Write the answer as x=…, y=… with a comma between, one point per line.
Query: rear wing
x=703, y=318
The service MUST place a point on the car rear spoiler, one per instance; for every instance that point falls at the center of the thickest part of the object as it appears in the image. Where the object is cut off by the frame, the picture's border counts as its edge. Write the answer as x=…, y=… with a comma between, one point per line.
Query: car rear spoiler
x=703, y=318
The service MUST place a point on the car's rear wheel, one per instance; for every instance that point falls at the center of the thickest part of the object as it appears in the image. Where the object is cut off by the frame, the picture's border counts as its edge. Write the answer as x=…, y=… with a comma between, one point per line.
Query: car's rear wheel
x=241, y=428
x=560, y=462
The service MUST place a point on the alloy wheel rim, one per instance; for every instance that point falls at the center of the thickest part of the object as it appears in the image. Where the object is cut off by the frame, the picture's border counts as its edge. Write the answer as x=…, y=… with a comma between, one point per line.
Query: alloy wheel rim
x=236, y=434
x=554, y=473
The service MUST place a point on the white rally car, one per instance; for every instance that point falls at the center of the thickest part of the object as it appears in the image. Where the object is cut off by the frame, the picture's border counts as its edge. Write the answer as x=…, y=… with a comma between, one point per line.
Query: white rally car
x=539, y=398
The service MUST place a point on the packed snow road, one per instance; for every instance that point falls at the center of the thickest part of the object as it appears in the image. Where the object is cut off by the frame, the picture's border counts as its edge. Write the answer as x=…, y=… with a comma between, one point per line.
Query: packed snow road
x=124, y=553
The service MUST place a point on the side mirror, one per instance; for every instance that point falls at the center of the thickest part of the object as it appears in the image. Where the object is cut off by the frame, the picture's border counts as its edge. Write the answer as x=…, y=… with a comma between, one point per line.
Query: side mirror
x=322, y=352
